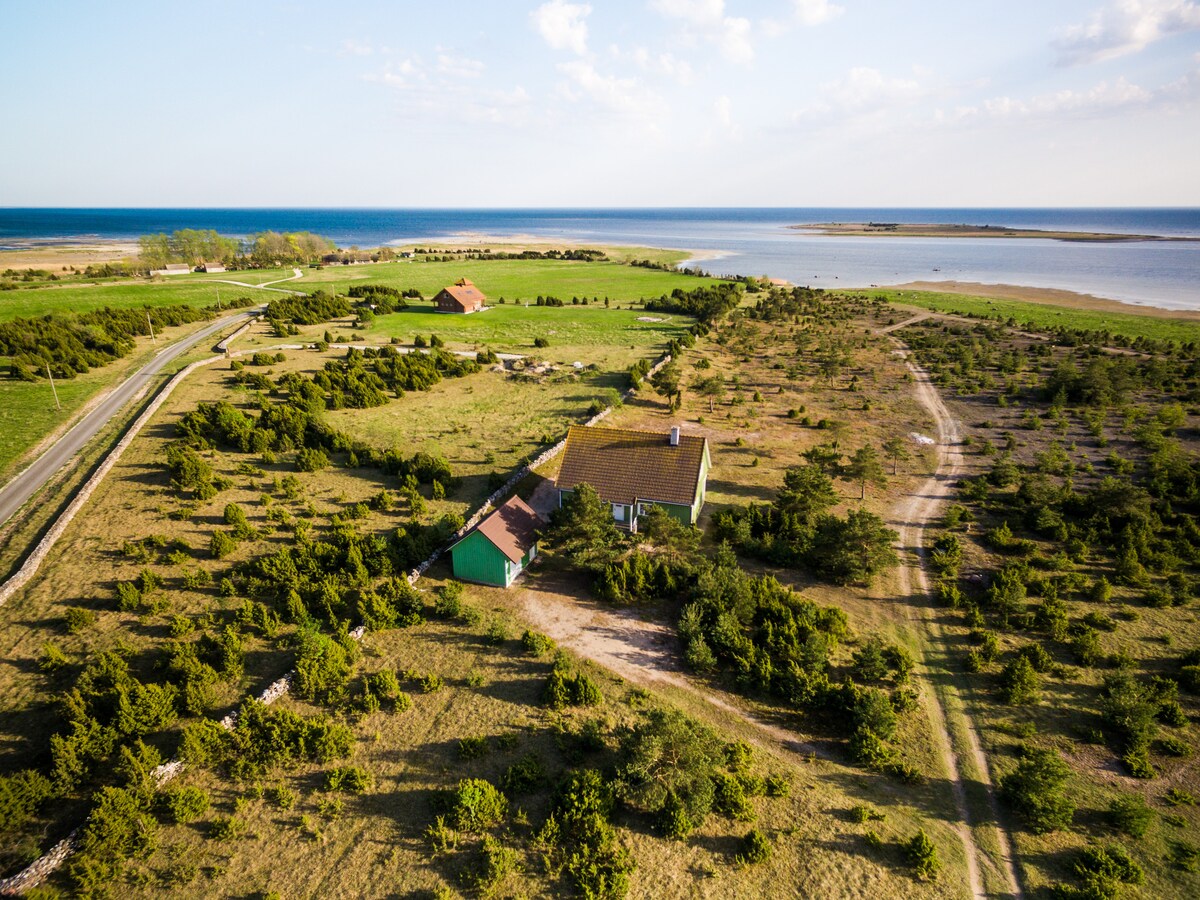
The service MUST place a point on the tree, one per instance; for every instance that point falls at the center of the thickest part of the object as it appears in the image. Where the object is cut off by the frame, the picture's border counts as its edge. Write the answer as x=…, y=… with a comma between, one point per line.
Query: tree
x=666, y=381
x=1036, y=790
x=854, y=549
x=825, y=457
x=712, y=387
x=864, y=466
x=676, y=540
x=1019, y=683
x=895, y=449
x=806, y=493
x=583, y=526
x=667, y=766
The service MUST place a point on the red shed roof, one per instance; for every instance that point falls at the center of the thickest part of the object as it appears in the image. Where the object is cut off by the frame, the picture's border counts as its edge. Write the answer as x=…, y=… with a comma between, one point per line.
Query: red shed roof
x=511, y=528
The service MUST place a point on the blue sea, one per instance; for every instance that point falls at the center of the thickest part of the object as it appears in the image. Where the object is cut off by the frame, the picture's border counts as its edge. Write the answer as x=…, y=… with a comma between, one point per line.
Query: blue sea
x=749, y=241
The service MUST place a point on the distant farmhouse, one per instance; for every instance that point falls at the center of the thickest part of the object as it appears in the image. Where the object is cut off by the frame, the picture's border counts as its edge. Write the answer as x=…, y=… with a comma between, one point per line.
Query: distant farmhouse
x=633, y=471
x=460, y=297
x=173, y=269
x=212, y=267
x=500, y=547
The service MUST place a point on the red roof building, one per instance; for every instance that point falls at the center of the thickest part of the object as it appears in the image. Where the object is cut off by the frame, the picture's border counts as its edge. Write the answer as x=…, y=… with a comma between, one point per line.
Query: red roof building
x=460, y=297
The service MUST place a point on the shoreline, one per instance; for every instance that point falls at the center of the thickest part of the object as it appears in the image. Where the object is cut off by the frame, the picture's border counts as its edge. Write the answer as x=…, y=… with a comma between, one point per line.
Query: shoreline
x=1043, y=297
x=940, y=230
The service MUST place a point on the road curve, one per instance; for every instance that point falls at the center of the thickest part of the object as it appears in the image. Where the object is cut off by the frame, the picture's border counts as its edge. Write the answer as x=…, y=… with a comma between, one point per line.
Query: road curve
x=17, y=492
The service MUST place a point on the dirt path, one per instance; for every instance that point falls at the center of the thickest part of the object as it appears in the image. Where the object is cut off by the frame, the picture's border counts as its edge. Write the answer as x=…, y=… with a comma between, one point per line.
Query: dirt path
x=912, y=517
x=266, y=285
x=641, y=652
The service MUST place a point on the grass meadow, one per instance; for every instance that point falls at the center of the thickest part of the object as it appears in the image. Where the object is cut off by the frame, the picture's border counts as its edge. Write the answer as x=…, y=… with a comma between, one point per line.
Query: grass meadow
x=1044, y=316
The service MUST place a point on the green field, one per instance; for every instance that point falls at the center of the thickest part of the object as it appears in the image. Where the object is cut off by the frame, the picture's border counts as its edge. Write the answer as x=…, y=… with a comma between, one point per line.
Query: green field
x=510, y=279
x=119, y=294
x=612, y=338
x=1045, y=316
x=500, y=278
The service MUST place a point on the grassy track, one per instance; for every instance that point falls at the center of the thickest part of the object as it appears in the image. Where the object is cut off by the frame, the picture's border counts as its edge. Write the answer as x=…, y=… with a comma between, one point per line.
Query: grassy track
x=1045, y=316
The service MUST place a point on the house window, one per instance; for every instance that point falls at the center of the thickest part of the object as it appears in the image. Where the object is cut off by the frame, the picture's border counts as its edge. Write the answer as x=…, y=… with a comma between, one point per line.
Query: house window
x=618, y=512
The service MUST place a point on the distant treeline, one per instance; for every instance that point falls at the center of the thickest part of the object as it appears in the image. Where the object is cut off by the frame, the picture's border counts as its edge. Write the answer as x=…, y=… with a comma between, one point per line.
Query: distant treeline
x=71, y=343
x=265, y=249
x=708, y=304
x=694, y=271
x=581, y=254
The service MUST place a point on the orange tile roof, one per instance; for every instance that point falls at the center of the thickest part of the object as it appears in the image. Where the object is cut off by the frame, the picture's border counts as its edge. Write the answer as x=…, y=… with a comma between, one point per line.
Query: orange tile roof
x=511, y=528
x=624, y=466
x=466, y=294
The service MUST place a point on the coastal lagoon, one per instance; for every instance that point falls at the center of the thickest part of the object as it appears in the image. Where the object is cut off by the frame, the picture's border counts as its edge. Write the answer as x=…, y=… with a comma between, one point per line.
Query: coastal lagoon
x=735, y=241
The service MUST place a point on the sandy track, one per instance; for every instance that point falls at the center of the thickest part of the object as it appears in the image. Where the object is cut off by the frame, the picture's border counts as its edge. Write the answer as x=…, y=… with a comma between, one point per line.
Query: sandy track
x=912, y=517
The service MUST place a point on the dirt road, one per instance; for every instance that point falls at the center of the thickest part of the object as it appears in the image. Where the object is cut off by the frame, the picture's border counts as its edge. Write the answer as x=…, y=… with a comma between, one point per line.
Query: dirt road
x=912, y=517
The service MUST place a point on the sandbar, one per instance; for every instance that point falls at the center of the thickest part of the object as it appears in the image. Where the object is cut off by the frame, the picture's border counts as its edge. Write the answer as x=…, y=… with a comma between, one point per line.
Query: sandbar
x=912, y=229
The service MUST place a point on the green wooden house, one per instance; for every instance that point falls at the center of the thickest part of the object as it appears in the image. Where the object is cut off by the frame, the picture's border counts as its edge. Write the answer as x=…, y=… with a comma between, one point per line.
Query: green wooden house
x=635, y=470
x=499, y=548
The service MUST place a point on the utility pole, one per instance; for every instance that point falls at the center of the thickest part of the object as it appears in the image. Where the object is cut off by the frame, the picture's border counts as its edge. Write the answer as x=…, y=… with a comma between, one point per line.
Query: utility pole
x=53, y=388
x=151, y=324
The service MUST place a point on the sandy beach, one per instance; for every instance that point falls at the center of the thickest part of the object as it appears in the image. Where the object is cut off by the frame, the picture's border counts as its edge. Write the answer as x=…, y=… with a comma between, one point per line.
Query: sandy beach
x=56, y=256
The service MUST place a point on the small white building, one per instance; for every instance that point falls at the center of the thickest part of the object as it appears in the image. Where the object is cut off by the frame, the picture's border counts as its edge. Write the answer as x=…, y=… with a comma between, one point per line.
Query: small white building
x=173, y=269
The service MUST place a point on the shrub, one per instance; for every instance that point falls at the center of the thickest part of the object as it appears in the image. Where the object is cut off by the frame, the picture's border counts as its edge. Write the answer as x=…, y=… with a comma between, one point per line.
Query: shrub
x=449, y=600
x=476, y=805
x=536, y=643
x=541, y=342
x=348, y=779
x=1019, y=682
x=755, y=848
x=310, y=460
x=524, y=776
x=221, y=545
x=1131, y=815
x=1036, y=790
x=922, y=856
x=78, y=619
x=182, y=804
x=52, y=658
x=472, y=747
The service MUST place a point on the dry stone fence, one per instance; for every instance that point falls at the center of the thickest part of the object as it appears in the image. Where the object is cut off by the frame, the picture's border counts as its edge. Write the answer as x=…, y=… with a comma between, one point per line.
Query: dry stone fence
x=42, y=868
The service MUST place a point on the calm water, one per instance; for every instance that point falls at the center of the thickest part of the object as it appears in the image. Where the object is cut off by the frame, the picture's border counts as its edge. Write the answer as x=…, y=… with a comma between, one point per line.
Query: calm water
x=752, y=241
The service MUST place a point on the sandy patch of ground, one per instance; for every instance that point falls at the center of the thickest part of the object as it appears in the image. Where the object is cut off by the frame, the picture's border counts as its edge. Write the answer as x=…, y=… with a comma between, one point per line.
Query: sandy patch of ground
x=53, y=257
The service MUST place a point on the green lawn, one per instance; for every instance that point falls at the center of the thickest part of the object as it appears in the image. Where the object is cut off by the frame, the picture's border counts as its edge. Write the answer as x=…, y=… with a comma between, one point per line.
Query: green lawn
x=612, y=338
x=189, y=289
x=511, y=278
x=1043, y=316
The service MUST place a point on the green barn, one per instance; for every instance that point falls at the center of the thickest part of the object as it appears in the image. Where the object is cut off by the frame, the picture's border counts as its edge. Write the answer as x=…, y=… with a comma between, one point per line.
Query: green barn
x=500, y=547
x=635, y=470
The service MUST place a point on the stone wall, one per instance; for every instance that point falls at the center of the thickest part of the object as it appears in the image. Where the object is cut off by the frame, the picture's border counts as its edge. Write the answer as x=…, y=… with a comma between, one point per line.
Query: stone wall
x=40, y=870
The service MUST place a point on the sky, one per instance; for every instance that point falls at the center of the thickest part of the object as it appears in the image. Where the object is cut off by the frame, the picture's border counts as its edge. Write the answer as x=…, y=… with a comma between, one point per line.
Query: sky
x=601, y=103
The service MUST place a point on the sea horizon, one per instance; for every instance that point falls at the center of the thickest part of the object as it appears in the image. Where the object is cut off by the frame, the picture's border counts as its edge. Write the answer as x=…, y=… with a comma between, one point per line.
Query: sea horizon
x=744, y=240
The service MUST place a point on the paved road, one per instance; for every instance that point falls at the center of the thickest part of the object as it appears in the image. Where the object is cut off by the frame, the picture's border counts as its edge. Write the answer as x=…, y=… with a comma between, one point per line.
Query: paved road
x=15, y=494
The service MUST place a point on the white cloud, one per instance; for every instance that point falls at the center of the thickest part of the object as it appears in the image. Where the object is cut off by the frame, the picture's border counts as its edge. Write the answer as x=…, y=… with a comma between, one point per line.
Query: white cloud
x=444, y=92
x=706, y=19
x=459, y=67
x=563, y=25
x=865, y=88
x=1124, y=27
x=815, y=12
x=664, y=64
x=351, y=47
x=621, y=95
x=1107, y=98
